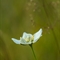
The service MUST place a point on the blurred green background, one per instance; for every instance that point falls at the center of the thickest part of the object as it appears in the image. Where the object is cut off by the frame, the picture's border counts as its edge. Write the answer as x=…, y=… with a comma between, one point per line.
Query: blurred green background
x=18, y=16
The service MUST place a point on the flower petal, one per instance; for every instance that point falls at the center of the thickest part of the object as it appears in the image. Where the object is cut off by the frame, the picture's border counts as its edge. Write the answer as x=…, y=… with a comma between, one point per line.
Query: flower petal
x=37, y=35
x=16, y=41
x=24, y=35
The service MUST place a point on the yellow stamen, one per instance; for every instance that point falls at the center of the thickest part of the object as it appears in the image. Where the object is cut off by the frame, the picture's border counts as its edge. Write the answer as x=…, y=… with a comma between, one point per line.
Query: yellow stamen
x=32, y=38
x=27, y=40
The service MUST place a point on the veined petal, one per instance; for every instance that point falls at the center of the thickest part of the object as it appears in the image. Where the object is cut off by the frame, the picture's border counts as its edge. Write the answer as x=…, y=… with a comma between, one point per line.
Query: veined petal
x=16, y=41
x=37, y=35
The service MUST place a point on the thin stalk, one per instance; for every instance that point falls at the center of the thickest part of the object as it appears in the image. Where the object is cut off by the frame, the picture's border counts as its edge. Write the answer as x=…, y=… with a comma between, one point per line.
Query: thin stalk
x=33, y=51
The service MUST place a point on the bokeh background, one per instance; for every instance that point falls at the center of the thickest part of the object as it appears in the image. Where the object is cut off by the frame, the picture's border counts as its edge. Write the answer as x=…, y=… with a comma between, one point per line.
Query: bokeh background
x=18, y=16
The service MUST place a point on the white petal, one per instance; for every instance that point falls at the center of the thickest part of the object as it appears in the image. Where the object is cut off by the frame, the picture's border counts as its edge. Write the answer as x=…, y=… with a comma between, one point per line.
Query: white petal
x=24, y=35
x=16, y=41
x=37, y=35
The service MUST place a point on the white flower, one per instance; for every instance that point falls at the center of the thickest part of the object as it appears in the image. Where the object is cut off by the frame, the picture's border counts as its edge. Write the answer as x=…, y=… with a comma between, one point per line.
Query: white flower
x=28, y=38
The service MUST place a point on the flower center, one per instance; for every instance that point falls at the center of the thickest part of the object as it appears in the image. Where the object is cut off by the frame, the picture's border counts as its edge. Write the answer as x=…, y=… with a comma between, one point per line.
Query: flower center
x=32, y=38
x=29, y=39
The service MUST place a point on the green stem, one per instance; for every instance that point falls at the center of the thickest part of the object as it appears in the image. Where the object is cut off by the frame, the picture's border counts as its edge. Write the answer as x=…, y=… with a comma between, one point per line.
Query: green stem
x=33, y=51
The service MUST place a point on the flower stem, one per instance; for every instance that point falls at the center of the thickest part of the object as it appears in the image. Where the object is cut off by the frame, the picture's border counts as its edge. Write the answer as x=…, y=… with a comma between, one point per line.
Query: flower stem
x=33, y=51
